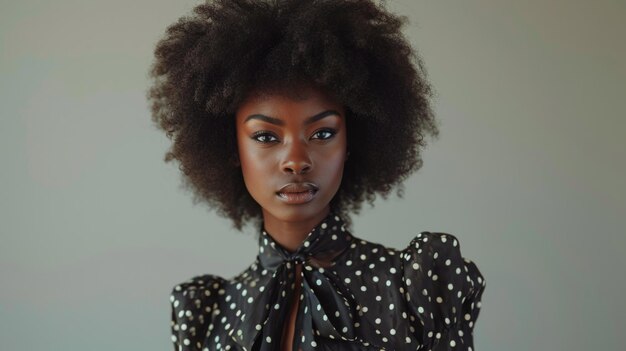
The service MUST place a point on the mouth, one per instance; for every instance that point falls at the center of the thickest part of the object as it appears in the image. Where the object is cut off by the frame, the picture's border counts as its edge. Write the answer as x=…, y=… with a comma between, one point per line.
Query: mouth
x=297, y=193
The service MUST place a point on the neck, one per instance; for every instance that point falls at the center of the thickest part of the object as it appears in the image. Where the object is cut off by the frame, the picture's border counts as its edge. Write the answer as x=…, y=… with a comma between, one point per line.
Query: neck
x=291, y=234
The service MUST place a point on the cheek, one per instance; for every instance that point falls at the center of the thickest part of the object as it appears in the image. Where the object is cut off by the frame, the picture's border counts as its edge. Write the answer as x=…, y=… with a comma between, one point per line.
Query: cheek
x=246, y=162
x=254, y=167
x=334, y=162
x=335, y=169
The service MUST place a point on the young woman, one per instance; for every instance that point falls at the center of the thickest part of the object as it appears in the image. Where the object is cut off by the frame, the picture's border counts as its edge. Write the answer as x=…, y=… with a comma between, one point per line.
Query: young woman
x=290, y=114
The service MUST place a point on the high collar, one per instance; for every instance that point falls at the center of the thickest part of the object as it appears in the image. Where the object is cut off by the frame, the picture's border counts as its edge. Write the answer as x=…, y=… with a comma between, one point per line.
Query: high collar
x=327, y=240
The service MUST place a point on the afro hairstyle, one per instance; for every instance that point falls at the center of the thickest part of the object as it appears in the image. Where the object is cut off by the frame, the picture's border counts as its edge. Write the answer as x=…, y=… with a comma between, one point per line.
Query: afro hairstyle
x=208, y=62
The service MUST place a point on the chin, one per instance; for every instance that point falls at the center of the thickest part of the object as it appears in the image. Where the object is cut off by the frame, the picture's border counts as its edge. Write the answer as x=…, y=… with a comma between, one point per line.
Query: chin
x=297, y=213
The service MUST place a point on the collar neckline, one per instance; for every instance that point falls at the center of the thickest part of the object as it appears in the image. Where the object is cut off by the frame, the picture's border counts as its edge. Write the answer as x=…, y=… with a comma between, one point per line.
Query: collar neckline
x=326, y=241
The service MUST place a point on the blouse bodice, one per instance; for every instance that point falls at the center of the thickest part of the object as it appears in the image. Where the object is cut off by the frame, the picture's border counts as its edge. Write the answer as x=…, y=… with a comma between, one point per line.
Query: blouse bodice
x=354, y=295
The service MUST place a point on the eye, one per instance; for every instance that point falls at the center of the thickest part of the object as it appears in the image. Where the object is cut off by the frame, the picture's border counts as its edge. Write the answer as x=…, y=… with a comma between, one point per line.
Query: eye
x=324, y=134
x=264, y=137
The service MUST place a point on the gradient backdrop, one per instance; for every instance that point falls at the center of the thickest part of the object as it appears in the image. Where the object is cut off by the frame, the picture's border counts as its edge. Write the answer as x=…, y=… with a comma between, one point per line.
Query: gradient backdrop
x=529, y=173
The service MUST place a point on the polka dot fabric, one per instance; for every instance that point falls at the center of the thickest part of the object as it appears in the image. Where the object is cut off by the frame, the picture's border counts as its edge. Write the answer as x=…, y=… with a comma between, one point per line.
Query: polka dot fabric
x=354, y=295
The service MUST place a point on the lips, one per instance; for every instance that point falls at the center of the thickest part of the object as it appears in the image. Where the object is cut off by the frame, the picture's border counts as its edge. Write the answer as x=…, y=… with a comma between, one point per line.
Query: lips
x=297, y=193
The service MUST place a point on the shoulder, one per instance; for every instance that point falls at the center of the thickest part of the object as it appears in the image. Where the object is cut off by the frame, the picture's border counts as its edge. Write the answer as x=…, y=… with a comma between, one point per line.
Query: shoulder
x=438, y=255
x=205, y=288
x=193, y=302
x=434, y=291
x=195, y=295
x=442, y=286
x=198, y=285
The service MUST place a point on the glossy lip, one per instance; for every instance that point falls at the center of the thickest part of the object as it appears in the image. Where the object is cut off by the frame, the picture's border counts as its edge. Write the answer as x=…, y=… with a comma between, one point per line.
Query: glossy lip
x=297, y=193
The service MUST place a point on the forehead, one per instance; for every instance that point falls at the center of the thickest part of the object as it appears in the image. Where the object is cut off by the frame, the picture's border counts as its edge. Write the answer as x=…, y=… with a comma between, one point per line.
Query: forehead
x=304, y=102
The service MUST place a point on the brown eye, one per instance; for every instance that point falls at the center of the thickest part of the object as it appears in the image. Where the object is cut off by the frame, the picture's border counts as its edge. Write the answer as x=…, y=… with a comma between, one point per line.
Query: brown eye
x=324, y=134
x=264, y=137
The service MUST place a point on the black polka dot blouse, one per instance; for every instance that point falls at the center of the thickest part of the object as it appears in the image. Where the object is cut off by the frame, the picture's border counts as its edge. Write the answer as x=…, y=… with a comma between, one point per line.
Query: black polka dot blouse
x=354, y=295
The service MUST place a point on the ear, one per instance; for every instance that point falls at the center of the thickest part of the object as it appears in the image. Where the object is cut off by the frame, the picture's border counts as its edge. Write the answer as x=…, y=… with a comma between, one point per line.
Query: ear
x=347, y=155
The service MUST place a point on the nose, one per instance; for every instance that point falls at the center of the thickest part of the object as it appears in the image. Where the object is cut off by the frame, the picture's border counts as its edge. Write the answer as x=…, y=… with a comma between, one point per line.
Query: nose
x=297, y=159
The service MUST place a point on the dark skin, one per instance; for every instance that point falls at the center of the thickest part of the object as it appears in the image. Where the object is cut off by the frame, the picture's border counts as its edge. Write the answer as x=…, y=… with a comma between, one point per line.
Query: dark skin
x=280, y=141
x=300, y=143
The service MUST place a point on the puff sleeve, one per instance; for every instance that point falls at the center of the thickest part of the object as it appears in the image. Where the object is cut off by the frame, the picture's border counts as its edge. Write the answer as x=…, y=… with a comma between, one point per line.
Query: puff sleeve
x=192, y=304
x=443, y=292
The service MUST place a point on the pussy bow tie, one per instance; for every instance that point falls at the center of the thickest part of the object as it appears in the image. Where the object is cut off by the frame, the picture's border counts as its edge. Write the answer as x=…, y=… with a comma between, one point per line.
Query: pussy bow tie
x=326, y=307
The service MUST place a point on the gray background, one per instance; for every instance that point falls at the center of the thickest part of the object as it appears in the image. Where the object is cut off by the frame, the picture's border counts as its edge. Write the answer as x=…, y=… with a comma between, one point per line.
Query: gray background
x=528, y=173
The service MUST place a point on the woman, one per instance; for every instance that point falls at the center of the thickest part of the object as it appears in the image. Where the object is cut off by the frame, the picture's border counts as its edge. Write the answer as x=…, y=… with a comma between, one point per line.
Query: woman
x=290, y=114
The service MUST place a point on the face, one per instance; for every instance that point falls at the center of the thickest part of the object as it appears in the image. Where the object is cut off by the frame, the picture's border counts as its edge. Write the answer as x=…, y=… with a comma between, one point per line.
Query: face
x=292, y=153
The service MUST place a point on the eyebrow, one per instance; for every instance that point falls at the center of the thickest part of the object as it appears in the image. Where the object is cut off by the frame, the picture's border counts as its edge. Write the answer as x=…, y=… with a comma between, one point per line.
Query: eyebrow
x=280, y=122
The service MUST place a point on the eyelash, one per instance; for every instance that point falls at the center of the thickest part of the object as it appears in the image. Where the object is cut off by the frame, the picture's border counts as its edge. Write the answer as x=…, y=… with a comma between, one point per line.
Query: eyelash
x=263, y=133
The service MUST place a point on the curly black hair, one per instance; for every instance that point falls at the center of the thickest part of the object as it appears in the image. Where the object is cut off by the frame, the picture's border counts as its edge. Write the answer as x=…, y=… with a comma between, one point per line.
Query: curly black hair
x=208, y=62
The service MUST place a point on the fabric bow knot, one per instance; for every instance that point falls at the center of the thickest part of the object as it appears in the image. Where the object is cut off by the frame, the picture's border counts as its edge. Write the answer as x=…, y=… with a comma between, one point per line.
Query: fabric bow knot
x=326, y=305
